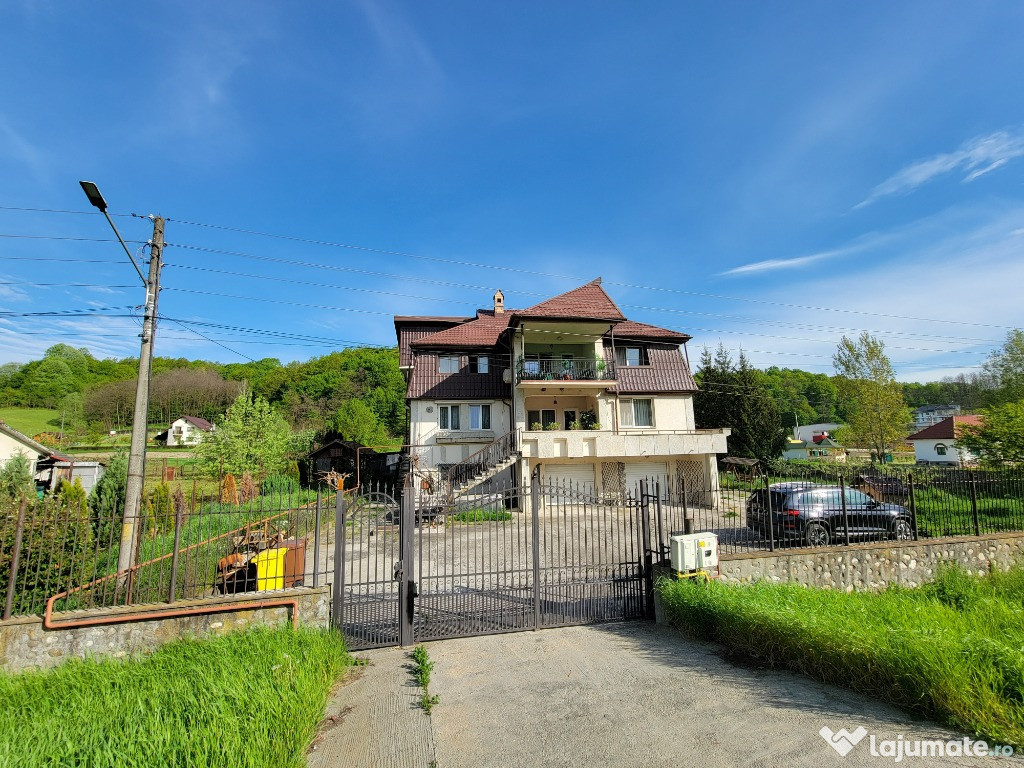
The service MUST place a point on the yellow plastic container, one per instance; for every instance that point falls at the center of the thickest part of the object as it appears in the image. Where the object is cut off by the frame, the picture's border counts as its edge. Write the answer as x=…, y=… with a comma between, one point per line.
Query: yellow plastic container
x=270, y=568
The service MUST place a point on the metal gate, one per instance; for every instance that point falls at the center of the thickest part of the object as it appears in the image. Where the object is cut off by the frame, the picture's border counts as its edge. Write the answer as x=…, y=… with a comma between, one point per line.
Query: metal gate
x=417, y=567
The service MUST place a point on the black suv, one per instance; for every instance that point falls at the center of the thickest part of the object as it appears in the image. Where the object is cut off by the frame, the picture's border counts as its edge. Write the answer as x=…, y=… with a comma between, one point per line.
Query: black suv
x=813, y=514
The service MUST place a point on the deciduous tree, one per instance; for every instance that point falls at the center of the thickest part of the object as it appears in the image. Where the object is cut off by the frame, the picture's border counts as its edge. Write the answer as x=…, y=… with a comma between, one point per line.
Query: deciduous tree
x=876, y=415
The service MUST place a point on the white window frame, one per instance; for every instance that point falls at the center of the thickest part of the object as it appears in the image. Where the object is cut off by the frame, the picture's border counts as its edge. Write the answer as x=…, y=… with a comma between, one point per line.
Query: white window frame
x=445, y=363
x=628, y=413
x=480, y=416
x=941, y=449
x=622, y=357
x=448, y=417
x=480, y=364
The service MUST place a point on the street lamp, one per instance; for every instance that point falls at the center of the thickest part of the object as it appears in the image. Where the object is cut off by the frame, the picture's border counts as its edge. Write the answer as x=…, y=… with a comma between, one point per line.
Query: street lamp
x=96, y=198
x=137, y=451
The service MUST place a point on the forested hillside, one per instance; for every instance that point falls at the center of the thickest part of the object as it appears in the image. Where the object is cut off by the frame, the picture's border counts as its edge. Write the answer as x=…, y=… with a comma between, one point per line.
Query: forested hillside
x=358, y=392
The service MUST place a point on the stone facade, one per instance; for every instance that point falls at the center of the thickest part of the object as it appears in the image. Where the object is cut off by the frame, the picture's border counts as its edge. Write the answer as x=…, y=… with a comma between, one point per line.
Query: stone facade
x=26, y=644
x=875, y=565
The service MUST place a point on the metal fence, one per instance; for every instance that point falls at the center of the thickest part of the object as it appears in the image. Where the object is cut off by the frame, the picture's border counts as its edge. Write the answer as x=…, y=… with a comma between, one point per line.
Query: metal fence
x=805, y=505
x=187, y=546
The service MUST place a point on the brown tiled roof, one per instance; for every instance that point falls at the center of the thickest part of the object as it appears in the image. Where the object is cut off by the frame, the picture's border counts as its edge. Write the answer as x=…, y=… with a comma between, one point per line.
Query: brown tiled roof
x=666, y=373
x=945, y=429
x=482, y=332
x=628, y=329
x=429, y=319
x=588, y=302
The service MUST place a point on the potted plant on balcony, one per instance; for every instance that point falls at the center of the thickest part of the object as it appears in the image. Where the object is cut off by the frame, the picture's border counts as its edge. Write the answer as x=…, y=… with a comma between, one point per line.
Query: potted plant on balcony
x=576, y=424
x=588, y=420
x=552, y=426
x=536, y=426
x=567, y=369
x=599, y=366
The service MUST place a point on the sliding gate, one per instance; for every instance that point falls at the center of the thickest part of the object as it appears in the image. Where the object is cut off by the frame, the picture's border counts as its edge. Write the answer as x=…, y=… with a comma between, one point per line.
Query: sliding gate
x=415, y=567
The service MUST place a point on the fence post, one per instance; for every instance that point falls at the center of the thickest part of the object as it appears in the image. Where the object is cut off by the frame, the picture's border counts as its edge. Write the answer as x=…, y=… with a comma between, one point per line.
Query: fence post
x=771, y=513
x=846, y=515
x=974, y=504
x=316, y=540
x=338, y=601
x=535, y=508
x=662, y=549
x=913, y=504
x=15, y=555
x=406, y=586
x=175, y=553
x=647, y=563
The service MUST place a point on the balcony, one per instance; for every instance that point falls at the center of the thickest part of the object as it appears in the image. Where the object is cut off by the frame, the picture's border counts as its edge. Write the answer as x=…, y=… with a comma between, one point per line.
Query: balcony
x=605, y=444
x=541, y=371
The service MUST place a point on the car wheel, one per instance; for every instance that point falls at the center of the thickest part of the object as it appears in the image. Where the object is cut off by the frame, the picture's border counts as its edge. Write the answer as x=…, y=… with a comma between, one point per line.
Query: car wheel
x=816, y=535
x=901, y=531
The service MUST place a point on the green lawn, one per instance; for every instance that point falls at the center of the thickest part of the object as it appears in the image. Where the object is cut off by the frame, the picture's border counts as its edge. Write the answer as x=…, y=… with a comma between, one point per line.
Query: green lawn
x=245, y=700
x=32, y=421
x=950, y=650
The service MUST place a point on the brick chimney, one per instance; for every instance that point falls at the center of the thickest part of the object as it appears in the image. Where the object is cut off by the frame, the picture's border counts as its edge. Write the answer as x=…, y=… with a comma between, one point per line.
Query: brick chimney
x=499, y=302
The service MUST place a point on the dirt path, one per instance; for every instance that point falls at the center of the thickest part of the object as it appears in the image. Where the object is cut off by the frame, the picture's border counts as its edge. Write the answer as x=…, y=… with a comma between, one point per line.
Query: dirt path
x=631, y=694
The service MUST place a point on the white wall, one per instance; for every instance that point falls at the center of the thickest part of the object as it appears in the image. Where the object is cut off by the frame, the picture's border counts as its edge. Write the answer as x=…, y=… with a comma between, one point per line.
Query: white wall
x=9, y=446
x=464, y=442
x=924, y=450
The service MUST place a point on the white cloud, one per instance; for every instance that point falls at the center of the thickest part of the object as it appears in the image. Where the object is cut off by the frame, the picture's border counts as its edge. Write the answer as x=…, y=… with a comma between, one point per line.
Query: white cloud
x=773, y=264
x=977, y=156
x=941, y=303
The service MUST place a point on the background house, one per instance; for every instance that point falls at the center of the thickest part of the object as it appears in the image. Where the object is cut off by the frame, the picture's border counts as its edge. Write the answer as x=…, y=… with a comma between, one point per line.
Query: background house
x=47, y=466
x=937, y=444
x=187, y=430
x=927, y=415
x=814, y=441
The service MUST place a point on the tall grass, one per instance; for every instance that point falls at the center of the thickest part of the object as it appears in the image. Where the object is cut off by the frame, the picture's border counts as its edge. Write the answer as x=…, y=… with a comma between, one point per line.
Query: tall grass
x=952, y=650
x=246, y=700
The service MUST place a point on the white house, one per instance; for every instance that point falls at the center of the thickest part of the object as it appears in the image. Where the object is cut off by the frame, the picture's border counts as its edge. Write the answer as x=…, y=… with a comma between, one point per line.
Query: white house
x=937, y=444
x=43, y=461
x=569, y=386
x=808, y=432
x=187, y=430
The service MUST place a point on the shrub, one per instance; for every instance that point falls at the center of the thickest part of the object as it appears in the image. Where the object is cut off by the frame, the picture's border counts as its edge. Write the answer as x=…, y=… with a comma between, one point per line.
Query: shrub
x=247, y=489
x=158, y=510
x=107, y=500
x=16, y=480
x=279, y=485
x=229, y=491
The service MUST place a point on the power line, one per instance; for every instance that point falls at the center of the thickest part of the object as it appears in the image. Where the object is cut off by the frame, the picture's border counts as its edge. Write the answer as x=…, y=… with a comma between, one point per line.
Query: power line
x=520, y=270
x=68, y=238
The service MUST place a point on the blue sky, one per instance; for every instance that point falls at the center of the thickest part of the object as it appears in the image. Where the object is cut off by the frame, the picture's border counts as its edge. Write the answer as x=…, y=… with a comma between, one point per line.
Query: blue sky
x=767, y=175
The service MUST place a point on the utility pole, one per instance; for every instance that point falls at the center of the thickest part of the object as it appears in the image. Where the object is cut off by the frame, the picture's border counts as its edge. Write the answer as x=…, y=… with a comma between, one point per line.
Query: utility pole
x=137, y=452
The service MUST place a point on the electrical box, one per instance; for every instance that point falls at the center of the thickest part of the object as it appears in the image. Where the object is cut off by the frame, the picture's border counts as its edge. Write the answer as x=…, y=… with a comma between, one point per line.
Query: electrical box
x=693, y=551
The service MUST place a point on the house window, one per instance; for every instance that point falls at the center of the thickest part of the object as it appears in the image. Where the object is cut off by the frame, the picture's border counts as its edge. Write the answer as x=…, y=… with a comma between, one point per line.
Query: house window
x=480, y=416
x=940, y=449
x=638, y=412
x=631, y=356
x=531, y=366
x=448, y=417
x=479, y=364
x=448, y=364
x=542, y=417
x=568, y=417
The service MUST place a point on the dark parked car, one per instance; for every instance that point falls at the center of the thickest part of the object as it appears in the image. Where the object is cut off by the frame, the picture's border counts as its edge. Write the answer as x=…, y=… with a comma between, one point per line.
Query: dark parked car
x=813, y=514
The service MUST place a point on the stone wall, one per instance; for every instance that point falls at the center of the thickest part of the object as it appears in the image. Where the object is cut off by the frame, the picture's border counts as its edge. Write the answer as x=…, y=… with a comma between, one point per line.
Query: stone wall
x=875, y=565
x=26, y=644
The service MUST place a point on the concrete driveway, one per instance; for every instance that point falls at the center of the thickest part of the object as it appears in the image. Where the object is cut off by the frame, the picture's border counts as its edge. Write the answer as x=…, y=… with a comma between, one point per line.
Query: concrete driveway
x=633, y=694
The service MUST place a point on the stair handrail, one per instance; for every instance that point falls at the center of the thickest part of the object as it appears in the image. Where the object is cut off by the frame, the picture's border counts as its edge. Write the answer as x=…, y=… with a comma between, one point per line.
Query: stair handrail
x=487, y=457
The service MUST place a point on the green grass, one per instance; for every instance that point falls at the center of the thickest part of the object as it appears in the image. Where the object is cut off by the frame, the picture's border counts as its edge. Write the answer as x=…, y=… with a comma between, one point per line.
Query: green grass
x=422, y=666
x=32, y=421
x=480, y=516
x=950, y=651
x=249, y=700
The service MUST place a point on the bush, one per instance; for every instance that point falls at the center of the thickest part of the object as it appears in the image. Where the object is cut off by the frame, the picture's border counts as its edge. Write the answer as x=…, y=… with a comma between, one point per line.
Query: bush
x=247, y=489
x=16, y=480
x=279, y=485
x=107, y=500
x=228, y=491
x=158, y=510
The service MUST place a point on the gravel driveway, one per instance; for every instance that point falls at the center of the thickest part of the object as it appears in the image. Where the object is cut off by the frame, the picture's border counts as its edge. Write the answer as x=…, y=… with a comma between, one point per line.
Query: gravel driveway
x=631, y=694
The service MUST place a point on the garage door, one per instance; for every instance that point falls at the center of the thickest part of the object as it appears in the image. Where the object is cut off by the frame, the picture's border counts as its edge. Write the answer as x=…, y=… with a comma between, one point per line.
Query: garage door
x=578, y=478
x=651, y=471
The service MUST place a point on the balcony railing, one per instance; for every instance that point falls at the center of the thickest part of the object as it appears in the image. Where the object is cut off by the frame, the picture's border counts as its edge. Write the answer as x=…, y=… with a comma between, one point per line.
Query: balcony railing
x=555, y=369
